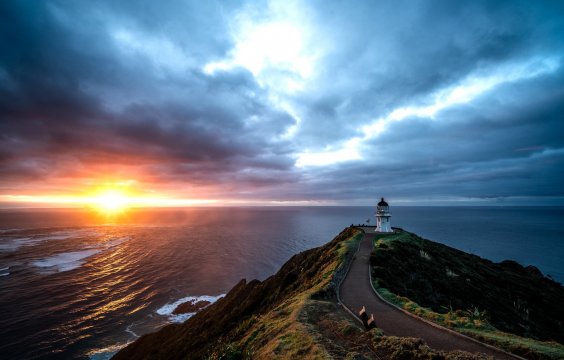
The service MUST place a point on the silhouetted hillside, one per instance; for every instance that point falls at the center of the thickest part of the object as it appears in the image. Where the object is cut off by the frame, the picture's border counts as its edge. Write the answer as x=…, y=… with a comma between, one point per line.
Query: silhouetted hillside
x=220, y=323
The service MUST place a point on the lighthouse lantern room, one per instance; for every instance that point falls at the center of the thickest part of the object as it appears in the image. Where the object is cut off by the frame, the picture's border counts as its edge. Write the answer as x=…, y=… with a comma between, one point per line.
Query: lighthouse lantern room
x=383, y=217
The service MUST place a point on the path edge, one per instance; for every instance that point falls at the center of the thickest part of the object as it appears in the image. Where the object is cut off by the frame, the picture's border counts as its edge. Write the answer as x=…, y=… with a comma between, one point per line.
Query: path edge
x=345, y=276
x=432, y=323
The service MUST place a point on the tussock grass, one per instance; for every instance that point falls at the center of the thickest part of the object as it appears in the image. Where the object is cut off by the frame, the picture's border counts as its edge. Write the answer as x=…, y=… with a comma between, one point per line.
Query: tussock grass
x=470, y=320
x=413, y=348
x=285, y=331
x=310, y=325
x=293, y=314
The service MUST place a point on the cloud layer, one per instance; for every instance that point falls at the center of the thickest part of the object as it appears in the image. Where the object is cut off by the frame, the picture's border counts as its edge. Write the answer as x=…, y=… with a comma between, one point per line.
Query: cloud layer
x=329, y=102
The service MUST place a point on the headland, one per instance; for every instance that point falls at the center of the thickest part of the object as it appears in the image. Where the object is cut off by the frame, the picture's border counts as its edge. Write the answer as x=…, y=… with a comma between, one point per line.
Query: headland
x=297, y=313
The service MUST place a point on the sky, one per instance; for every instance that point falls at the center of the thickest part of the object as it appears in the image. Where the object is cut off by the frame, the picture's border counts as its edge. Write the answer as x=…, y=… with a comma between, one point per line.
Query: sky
x=283, y=102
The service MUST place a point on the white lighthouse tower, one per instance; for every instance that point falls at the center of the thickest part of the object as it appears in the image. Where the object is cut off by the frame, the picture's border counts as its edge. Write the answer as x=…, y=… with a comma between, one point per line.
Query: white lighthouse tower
x=383, y=217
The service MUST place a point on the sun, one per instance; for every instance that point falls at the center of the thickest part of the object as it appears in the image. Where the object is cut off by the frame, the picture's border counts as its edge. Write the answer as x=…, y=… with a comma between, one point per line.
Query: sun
x=111, y=201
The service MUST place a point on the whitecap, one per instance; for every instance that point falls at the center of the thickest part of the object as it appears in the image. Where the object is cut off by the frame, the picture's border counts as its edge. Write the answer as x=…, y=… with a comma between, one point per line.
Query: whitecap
x=129, y=331
x=15, y=244
x=75, y=259
x=66, y=261
x=3, y=231
x=168, y=309
x=4, y=272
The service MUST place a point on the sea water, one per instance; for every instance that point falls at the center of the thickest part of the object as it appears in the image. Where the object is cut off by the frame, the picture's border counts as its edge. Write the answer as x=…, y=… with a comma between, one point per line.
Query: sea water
x=74, y=285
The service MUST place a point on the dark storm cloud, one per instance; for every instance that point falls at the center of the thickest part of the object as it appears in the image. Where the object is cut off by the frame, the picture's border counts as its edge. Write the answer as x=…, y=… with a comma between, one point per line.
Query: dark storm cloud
x=505, y=143
x=90, y=87
x=51, y=109
x=500, y=146
x=391, y=54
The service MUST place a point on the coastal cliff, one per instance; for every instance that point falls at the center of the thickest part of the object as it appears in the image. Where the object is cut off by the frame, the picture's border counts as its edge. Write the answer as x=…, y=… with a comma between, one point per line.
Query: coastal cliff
x=255, y=317
x=296, y=314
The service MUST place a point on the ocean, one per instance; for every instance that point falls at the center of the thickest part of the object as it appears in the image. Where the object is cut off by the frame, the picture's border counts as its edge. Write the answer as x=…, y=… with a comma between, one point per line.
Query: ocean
x=74, y=285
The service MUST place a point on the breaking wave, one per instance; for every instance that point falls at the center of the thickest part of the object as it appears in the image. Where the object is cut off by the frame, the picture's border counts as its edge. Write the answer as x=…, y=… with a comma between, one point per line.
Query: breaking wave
x=168, y=309
x=14, y=239
x=75, y=259
x=66, y=261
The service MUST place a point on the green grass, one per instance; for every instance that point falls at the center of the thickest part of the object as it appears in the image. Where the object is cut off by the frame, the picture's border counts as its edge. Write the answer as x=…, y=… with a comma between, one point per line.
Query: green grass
x=518, y=345
x=389, y=239
x=347, y=246
x=471, y=322
x=284, y=333
x=311, y=325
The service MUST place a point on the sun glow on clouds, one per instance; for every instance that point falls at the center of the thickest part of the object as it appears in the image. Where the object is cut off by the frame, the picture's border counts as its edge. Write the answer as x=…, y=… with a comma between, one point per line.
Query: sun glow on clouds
x=107, y=199
x=279, y=46
x=468, y=90
x=274, y=47
x=261, y=46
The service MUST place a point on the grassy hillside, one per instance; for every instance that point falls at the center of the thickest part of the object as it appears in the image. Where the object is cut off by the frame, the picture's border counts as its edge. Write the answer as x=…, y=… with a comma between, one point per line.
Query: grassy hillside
x=255, y=317
x=506, y=304
x=294, y=314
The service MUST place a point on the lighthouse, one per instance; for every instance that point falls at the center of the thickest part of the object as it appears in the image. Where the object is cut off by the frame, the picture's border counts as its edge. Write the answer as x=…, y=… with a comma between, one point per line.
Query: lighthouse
x=383, y=217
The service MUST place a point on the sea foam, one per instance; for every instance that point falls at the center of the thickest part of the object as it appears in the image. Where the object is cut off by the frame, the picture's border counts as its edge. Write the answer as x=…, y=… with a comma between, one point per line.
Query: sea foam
x=4, y=231
x=4, y=271
x=66, y=261
x=75, y=259
x=11, y=243
x=16, y=243
x=168, y=309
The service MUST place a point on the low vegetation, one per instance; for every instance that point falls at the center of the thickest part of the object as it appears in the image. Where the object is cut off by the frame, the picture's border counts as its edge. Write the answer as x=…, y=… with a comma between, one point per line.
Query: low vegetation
x=294, y=314
x=505, y=304
x=257, y=319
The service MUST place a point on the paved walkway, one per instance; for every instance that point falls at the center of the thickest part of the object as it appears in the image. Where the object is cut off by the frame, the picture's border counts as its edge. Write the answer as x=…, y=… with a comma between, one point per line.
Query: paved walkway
x=356, y=292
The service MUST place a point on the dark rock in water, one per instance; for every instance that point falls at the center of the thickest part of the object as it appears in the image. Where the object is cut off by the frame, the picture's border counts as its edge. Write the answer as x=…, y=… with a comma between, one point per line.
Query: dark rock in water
x=191, y=307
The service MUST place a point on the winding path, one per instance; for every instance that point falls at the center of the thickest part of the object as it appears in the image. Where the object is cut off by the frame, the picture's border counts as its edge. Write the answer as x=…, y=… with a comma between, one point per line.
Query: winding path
x=356, y=292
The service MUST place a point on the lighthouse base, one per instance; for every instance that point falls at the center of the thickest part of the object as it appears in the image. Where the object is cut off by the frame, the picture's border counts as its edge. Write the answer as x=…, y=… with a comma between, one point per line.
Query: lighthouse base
x=383, y=224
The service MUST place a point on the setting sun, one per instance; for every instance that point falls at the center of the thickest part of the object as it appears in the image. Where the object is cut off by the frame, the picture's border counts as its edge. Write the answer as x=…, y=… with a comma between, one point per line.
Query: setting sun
x=111, y=201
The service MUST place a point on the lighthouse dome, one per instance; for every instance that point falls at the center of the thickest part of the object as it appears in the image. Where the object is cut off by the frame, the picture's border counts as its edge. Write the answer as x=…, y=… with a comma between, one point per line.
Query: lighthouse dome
x=382, y=203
